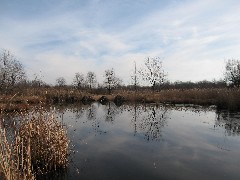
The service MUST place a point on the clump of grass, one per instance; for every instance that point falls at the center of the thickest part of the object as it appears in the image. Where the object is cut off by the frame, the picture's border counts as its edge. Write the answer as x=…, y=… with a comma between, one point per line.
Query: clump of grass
x=40, y=146
x=48, y=141
x=12, y=165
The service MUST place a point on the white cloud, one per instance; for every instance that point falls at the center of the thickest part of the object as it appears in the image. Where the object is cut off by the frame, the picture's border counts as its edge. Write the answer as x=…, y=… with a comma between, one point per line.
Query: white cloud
x=194, y=38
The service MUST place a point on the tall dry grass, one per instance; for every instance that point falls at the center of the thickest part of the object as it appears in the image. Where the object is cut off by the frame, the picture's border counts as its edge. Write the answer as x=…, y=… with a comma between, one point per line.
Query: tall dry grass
x=15, y=165
x=226, y=98
x=39, y=146
x=223, y=98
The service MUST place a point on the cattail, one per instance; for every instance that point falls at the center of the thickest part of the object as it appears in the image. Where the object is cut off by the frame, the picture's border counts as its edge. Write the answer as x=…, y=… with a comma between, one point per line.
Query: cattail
x=40, y=146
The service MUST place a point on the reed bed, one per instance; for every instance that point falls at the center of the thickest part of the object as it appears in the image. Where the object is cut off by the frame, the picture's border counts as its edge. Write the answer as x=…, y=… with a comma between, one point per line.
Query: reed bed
x=40, y=146
x=225, y=98
x=13, y=165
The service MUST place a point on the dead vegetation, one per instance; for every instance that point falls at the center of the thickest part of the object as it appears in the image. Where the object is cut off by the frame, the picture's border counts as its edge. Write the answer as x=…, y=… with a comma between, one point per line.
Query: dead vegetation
x=39, y=145
x=225, y=98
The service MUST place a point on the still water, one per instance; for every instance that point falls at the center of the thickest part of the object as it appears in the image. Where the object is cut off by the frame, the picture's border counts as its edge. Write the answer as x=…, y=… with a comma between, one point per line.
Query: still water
x=151, y=142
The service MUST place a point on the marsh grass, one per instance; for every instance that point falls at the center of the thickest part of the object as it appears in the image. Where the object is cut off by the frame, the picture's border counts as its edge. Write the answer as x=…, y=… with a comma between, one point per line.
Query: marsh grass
x=13, y=165
x=40, y=146
x=223, y=98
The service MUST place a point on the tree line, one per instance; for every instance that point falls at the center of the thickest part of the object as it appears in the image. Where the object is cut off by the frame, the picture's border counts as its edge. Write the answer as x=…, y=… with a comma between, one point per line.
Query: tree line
x=12, y=75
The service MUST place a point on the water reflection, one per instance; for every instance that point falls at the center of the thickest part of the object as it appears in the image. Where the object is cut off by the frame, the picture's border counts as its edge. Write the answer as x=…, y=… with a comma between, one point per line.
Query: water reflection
x=136, y=112
x=230, y=121
x=153, y=122
x=111, y=111
x=79, y=111
x=109, y=140
x=91, y=112
x=149, y=120
x=10, y=122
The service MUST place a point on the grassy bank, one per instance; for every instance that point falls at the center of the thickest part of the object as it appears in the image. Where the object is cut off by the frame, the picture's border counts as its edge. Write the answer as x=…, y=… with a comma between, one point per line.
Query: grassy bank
x=223, y=98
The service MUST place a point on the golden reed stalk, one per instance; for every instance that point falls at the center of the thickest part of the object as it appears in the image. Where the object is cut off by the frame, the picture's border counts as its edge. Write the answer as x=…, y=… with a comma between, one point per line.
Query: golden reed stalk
x=40, y=146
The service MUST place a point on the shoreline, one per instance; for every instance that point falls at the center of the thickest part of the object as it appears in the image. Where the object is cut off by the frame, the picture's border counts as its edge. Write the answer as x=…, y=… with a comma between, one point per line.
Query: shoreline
x=228, y=99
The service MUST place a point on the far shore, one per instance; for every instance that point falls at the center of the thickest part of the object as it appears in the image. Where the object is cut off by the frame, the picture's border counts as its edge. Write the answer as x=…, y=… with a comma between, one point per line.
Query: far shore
x=223, y=98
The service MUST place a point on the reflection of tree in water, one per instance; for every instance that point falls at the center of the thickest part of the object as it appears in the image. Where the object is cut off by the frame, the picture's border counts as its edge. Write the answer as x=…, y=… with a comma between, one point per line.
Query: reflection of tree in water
x=91, y=112
x=9, y=121
x=148, y=119
x=111, y=111
x=230, y=121
x=92, y=116
x=79, y=112
x=87, y=112
x=136, y=111
x=153, y=122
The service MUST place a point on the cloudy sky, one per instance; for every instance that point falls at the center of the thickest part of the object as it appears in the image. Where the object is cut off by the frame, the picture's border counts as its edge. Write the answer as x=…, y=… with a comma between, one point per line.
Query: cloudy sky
x=54, y=38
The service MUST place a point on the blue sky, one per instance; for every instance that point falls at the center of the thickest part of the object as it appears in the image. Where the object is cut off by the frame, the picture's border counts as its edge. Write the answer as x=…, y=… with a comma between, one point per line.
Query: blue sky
x=54, y=38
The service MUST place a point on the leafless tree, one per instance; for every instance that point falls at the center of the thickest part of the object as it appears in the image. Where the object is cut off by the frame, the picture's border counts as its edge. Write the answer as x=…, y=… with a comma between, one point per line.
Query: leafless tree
x=78, y=80
x=111, y=81
x=232, y=74
x=61, y=81
x=135, y=77
x=11, y=70
x=153, y=72
x=91, y=79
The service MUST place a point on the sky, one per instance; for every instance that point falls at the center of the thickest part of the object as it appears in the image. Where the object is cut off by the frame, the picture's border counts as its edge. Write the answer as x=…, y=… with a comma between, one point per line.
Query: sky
x=58, y=38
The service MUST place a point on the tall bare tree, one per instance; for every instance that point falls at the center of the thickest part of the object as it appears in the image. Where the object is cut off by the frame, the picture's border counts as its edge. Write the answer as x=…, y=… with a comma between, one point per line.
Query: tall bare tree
x=232, y=74
x=91, y=79
x=78, y=80
x=153, y=72
x=11, y=70
x=111, y=81
x=135, y=77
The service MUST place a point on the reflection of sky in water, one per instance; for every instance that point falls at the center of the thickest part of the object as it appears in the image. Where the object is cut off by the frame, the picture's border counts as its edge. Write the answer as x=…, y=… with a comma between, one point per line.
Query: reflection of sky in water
x=150, y=143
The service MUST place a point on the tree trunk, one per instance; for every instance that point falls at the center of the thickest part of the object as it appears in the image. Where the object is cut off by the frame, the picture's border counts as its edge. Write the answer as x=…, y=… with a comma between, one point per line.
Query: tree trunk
x=153, y=86
x=109, y=89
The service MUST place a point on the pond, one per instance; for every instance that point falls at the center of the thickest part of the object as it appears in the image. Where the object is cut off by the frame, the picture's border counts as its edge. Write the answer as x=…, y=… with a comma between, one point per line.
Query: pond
x=152, y=142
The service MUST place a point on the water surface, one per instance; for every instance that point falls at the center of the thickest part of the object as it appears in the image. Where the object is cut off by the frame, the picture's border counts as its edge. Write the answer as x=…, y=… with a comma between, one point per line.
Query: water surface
x=152, y=142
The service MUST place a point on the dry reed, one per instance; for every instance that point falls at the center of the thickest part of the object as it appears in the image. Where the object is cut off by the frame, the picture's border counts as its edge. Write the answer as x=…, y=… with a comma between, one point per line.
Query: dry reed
x=12, y=165
x=224, y=98
x=40, y=146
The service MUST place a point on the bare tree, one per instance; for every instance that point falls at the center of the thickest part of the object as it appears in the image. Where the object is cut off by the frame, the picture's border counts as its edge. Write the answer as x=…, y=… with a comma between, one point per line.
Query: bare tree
x=153, y=72
x=111, y=81
x=91, y=79
x=135, y=77
x=61, y=81
x=78, y=80
x=11, y=70
x=232, y=74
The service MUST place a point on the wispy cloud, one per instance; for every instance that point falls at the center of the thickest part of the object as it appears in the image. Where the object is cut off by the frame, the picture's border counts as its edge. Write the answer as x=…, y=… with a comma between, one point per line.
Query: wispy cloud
x=64, y=37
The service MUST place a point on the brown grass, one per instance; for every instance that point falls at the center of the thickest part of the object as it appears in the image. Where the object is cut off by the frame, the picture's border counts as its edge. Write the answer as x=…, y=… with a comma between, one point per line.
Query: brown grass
x=40, y=146
x=13, y=165
x=221, y=97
